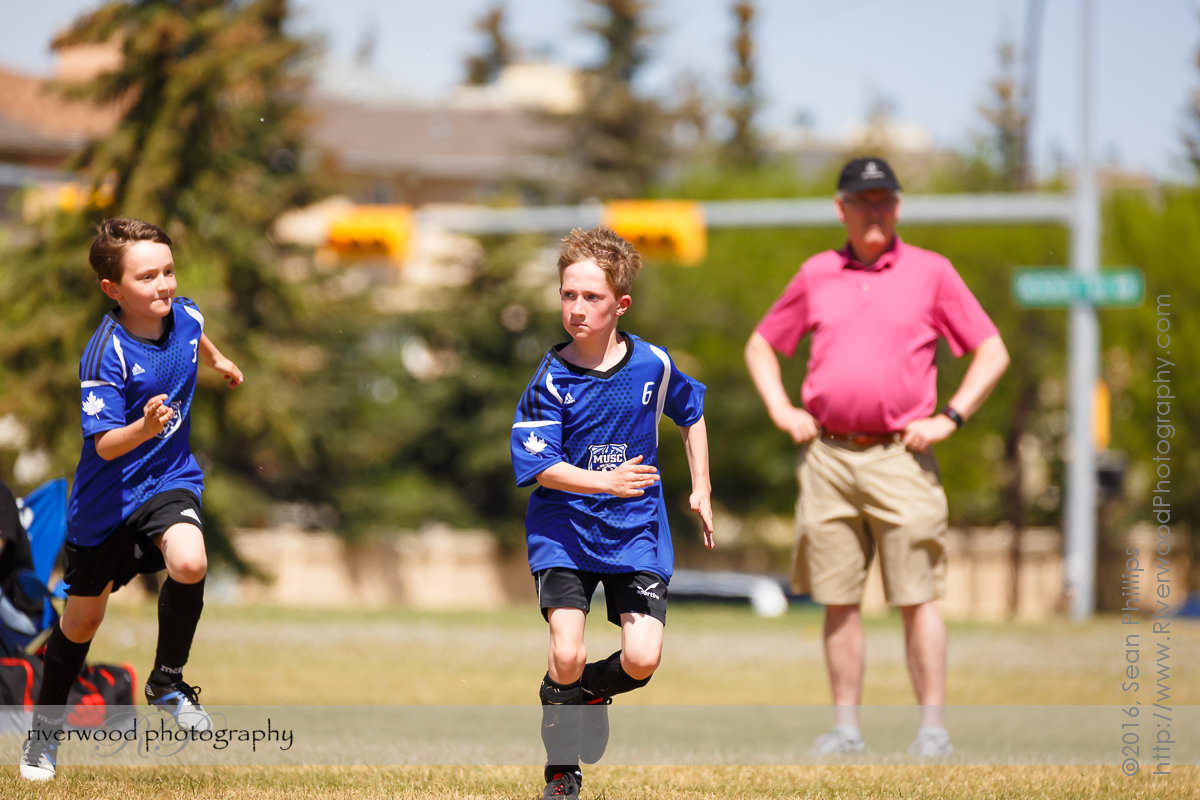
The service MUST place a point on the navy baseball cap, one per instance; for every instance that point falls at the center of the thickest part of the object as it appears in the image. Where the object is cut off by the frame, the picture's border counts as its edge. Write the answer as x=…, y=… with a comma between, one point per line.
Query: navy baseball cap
x=864, y=174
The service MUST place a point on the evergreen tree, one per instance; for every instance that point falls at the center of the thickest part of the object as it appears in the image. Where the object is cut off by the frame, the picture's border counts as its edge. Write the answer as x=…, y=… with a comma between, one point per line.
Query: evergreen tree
x=485, y=67
x=1191, y=137
x=744, y=147
x=620, y=140
x=209, y=147
x=1009, y=113
x=1008, y=116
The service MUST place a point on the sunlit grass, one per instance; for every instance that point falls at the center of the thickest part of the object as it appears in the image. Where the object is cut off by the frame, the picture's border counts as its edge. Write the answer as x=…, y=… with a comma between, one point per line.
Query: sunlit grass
x=714, y=656
x=662, y=783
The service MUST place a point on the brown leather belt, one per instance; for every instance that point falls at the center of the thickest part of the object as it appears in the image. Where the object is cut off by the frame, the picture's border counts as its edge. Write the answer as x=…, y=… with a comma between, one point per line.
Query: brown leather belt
x=864, y=439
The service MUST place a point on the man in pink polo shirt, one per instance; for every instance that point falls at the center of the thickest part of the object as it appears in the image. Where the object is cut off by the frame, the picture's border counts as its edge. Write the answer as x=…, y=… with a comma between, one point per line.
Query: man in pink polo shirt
x=868, y=480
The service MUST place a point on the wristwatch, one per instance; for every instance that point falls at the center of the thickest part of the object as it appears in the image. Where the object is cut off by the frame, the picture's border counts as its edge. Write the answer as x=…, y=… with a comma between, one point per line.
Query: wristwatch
x=954, y=416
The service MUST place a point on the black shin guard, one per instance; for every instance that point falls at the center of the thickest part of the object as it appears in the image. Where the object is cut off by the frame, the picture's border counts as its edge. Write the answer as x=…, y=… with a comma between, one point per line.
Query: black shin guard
x=561, y=728
x=63, y=660
x=179, y=608
x=606, y=678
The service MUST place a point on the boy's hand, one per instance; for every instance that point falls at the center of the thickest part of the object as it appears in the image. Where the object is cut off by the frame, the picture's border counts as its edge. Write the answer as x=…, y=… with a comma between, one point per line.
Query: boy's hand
x=233, y=375
x=631, y=478
x=156, y=414
x=701, y=503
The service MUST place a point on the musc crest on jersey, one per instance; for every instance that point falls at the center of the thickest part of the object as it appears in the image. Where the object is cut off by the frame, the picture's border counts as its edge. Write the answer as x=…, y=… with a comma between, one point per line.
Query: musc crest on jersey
x=599, y=420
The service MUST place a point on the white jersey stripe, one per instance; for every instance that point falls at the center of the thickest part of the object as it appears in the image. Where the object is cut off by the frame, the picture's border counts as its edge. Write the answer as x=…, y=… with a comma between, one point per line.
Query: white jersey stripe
x=120, y=355
x=537, y=424
x=195, y=314
x=91, y=384
x=662, y=387
x=550, y=387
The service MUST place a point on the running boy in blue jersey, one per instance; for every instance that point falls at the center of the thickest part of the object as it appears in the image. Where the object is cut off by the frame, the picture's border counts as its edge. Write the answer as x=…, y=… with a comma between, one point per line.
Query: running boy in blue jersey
x=135, y=502
x=586, y=431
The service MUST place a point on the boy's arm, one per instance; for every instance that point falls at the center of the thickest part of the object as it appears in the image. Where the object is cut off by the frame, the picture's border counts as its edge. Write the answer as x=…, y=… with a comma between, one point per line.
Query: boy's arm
x=695, y=444
x=628, y=480
x=213, y=357
x=116, y=442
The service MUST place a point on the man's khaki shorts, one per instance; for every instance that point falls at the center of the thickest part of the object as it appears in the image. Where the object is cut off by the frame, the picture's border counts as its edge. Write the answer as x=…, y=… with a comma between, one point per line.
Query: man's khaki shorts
x=855, y=500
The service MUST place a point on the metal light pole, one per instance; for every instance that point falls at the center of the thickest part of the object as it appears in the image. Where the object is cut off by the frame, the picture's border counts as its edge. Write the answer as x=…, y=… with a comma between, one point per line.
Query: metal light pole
x=1083, y=356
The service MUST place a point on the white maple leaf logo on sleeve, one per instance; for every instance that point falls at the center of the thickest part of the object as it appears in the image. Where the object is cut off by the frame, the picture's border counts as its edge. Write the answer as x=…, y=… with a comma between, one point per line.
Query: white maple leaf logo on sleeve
x=92, y=405
x=533, y=444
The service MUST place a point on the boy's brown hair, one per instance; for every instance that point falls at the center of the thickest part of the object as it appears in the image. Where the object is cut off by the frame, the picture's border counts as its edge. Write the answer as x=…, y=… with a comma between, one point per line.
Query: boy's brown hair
x=113, y=238
x=618, y=258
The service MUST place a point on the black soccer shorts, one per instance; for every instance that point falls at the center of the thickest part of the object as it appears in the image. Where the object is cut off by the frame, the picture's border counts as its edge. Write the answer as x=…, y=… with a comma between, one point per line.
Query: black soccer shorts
x=624, y=592
x=130, y=548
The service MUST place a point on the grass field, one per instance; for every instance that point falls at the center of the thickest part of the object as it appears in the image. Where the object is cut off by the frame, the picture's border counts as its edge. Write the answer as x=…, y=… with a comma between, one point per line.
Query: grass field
x=714, y=656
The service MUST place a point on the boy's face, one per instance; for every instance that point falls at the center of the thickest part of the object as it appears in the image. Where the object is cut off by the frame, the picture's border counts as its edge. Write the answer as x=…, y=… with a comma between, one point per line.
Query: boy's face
x=589, y=306
x=147, y=285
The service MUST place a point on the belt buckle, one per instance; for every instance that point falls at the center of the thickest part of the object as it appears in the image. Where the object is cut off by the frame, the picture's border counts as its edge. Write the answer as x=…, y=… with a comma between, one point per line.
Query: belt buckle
x=865, y=440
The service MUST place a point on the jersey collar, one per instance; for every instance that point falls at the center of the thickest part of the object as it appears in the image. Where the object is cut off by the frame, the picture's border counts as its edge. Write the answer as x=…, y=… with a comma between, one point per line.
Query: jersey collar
x=556, y=351
x=114, y=314
x=886, y=260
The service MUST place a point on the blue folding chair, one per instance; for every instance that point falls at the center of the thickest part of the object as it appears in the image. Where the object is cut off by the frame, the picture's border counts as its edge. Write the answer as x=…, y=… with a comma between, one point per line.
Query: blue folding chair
x=43, y=514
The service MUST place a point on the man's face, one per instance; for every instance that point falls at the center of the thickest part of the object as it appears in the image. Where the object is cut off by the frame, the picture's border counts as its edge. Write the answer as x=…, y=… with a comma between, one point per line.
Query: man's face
x=870, y=220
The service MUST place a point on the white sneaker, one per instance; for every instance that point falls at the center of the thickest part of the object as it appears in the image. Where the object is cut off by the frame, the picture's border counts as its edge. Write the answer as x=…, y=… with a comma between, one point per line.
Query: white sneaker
x=39, y=755
x=183, y=702
x=931, y=743
x=842, y=740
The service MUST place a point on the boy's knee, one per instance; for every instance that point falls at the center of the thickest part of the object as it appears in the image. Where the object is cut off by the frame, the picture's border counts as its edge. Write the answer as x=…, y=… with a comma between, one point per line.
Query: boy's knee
x=191, y=569
x=81, y=628
x=568, y=661
x=640, y=666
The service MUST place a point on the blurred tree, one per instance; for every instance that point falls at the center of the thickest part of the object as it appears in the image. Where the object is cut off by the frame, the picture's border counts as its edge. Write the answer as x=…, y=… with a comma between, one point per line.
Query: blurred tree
x=208, y=146
x=1008, y=148
x=1191, y=137
x=1157, y=233
x=689, y=117
x=368, y=43
x=620, y=137
x=1008, y=116
x=879, y=130
x=484, y=68
x=744, y=147
x=436, y=389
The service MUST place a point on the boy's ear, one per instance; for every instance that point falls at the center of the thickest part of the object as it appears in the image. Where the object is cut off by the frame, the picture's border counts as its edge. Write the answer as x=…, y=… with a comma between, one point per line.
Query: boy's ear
x=113, y=290
x=624, y=303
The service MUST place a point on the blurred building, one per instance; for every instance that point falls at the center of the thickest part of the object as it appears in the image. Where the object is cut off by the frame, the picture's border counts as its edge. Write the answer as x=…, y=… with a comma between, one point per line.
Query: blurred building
x=374, y=142
x=40, y=130
x=378, y=147
x=910, y=147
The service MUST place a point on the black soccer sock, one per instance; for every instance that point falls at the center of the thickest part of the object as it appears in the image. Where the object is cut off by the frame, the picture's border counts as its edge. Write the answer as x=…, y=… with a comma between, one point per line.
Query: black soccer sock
x=561, y=729
x=62, y=662
x=607, y=677
x=179, y=607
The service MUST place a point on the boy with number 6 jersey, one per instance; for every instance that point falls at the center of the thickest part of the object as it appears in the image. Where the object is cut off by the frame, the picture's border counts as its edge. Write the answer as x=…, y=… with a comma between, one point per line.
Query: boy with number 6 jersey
x=586, y=431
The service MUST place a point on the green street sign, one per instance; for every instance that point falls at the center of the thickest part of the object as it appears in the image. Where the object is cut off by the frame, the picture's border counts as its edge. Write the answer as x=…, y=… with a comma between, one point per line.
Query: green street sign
x=1049, y=288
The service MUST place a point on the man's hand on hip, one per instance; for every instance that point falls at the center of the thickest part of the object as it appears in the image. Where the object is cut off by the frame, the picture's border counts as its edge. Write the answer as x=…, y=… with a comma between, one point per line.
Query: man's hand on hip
x=921, y=434
x=799, y=424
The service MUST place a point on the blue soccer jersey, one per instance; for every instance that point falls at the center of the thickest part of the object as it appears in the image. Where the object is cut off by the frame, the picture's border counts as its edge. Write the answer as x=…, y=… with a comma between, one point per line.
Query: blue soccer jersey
x=118, y=374
x=599, y=420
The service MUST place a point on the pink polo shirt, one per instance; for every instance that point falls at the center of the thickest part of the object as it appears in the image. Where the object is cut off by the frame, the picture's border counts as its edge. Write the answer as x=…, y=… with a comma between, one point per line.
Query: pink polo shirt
x=874, y=334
